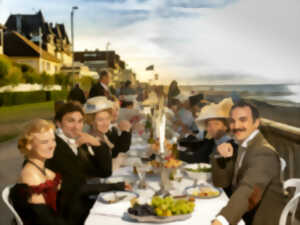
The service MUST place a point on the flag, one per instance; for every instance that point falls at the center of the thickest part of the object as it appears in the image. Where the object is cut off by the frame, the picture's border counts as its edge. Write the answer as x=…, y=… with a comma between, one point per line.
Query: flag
x=151, y=67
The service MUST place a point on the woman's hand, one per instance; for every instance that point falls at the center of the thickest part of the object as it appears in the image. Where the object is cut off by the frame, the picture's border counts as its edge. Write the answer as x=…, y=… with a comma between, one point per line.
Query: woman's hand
x=124, y=125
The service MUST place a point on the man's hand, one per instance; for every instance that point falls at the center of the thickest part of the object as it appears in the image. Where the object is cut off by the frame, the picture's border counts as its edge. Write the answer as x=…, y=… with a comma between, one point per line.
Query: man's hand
x=225, y=150
x=85, y=138
x=216, y=222
x=124, y=125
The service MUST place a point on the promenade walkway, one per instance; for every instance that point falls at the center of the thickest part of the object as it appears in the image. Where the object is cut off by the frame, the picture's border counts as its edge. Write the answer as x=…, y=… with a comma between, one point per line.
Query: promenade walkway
x=10, y=164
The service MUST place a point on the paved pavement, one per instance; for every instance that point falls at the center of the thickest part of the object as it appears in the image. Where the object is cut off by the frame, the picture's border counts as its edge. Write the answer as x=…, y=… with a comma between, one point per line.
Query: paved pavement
x=10, y=165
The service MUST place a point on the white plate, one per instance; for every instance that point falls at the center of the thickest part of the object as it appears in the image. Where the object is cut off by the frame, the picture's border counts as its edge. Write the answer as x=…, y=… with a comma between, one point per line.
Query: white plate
x=198, y=188
x=116, y=196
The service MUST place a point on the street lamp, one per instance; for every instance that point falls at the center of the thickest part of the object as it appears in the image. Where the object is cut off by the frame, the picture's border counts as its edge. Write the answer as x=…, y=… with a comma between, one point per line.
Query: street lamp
x=72, y=35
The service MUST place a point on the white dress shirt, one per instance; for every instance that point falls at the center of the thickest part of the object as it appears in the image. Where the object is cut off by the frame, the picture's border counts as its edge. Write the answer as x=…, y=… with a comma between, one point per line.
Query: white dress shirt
x=70, y=141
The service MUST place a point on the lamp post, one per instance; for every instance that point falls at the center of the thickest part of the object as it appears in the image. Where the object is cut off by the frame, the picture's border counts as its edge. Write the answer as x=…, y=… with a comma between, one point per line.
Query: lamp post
x=72, y=35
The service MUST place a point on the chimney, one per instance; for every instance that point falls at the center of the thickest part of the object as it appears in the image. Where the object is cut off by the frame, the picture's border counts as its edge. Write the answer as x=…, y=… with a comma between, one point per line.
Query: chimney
x=19, y=23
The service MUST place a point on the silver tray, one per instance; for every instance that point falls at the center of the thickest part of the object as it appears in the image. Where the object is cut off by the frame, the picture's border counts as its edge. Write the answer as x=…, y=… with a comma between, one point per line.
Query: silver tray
x=159, y=219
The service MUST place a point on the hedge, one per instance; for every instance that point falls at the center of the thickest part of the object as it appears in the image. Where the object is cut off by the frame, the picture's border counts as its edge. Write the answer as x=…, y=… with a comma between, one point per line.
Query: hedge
x=18, y=98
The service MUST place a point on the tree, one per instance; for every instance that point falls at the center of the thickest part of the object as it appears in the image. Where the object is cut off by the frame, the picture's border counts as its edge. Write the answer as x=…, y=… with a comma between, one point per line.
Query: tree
x=86, y=82
x=62, y=79
x=5, y=66
x=14, y=77
x=47, y=79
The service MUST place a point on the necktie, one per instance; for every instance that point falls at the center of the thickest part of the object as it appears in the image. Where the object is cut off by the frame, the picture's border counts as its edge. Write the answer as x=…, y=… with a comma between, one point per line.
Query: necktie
x=83, y=154
x=238, y=163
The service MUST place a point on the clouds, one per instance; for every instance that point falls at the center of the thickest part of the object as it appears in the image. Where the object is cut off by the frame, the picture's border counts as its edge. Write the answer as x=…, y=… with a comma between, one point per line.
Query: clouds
x=188, y=40
x=199, y=3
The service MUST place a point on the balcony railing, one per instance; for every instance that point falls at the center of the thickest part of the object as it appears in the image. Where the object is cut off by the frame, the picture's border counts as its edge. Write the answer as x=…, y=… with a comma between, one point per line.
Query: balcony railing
x=286, y=140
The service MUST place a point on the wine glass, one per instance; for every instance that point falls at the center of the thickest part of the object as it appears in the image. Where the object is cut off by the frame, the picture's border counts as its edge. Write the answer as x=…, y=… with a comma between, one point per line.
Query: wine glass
x=141, y=170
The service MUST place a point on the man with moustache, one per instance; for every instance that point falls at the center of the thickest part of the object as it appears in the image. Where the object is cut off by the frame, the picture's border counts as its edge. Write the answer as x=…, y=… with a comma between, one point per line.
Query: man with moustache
x=254, y=175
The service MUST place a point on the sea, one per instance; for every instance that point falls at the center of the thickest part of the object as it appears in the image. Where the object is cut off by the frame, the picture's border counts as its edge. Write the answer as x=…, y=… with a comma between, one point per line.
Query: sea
x=279, y=94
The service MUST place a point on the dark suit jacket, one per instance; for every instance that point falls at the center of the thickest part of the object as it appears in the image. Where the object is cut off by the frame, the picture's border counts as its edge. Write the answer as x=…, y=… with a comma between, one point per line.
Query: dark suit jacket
x=75, y=171
x=98, y=90
x=77, y=94
x=199, y=151
x=121, y=143
x=258, y=195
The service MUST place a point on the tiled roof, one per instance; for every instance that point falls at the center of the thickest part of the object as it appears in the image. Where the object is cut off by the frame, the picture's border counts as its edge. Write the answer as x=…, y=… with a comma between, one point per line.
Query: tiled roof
x=30, y=23
x=18, y=45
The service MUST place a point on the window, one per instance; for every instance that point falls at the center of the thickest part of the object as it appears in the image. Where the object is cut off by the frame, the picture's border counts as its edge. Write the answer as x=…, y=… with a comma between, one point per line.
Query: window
x=48, y=66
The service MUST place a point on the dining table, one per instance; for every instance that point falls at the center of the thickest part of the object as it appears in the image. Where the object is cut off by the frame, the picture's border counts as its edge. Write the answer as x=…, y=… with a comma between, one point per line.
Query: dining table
x=205, y=211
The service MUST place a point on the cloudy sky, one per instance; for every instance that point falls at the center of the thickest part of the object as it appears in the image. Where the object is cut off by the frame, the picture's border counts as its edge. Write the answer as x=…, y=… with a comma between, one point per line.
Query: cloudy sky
x=192, y=41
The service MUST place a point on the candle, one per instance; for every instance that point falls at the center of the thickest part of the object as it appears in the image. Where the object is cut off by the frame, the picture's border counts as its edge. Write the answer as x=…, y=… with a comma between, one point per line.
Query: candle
x=162, y=130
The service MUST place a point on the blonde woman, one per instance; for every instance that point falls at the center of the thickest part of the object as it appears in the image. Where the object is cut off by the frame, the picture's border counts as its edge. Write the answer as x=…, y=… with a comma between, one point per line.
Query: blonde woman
x=99, y=115
x=35, y=196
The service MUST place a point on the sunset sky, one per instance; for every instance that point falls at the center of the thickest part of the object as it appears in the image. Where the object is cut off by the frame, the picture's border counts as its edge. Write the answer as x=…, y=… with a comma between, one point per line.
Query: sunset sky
x=192, y=41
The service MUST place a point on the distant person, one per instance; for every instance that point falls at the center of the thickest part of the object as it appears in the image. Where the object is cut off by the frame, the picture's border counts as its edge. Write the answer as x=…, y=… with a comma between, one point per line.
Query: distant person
x=77, y=94
x=127, y=89
x=101, y=88
x=257, y=192
x=173, y=90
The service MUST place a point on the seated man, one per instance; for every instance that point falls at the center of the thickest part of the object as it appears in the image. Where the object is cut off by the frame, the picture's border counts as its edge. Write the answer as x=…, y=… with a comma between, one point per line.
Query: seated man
x=214, y=118
x=76, y=162
x=254, y=174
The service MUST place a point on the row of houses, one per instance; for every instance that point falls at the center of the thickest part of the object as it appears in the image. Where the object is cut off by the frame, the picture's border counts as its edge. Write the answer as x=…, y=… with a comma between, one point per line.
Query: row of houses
x=46, y=47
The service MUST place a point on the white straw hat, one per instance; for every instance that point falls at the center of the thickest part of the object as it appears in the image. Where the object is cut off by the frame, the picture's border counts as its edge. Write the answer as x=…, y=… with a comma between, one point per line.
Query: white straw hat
x=97, y=104
x=211, y=111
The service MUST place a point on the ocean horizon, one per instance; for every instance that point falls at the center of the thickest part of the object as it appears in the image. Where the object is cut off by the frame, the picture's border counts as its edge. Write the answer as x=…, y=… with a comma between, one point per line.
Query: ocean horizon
x=280, y=93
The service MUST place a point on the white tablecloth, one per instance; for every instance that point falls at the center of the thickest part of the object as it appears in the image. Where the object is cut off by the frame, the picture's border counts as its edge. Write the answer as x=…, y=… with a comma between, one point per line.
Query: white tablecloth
x=116, y=214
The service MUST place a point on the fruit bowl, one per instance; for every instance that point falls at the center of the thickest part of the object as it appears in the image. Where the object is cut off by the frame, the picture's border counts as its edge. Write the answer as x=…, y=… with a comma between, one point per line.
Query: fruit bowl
x=162, y=210
x=159, y=219
x=198, y=171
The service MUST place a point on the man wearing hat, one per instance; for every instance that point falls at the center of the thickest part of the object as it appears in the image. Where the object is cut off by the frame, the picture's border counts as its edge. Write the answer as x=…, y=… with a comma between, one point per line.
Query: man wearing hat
x=254, y=174
x=213, y=119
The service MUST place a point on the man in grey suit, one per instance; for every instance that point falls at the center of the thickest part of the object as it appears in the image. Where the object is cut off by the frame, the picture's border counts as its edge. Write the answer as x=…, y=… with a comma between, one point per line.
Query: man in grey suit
x=254, y=175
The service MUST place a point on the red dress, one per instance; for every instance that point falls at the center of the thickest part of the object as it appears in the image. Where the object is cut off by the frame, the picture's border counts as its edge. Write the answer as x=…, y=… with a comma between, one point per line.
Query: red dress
x=48, y=189
x=33, y=214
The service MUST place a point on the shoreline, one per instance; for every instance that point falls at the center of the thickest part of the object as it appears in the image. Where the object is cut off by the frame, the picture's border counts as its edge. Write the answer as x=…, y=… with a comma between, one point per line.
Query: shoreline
x=278, y=112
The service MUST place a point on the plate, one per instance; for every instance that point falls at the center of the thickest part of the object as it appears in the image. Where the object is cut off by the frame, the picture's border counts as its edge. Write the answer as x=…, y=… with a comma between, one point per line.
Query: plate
x=191, y=171
x=159, y=219
x=117, y=196
x=203, y=191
